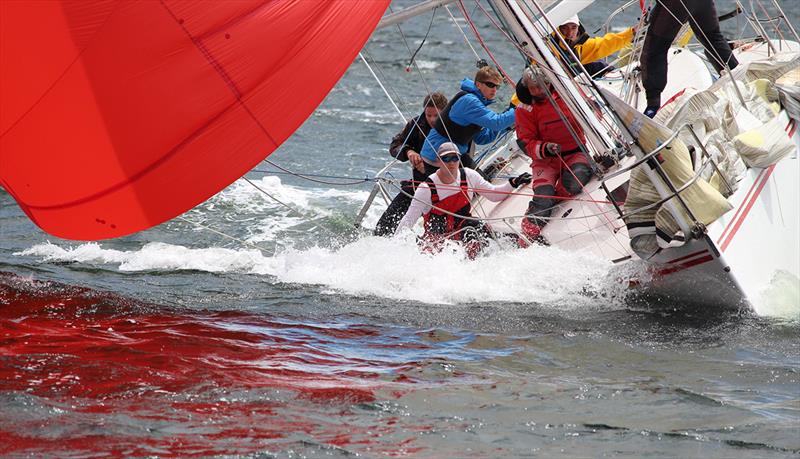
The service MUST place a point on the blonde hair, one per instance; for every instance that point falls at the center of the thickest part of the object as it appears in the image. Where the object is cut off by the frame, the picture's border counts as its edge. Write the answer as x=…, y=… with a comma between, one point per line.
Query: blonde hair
x=488, y=73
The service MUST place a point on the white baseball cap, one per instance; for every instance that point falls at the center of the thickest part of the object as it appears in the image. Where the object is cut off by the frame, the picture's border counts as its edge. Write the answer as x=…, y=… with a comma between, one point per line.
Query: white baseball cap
x=572, y=20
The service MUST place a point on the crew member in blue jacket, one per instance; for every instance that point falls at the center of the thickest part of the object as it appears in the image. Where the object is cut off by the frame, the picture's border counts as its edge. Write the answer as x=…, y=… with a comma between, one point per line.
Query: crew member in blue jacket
x=467, y=118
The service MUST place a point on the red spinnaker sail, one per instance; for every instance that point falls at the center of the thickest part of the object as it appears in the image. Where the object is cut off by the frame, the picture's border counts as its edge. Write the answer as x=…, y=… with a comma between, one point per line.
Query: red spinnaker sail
x=118, y=115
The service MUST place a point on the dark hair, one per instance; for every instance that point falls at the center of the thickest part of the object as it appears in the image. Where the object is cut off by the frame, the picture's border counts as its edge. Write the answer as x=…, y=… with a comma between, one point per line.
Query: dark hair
x=435, y=99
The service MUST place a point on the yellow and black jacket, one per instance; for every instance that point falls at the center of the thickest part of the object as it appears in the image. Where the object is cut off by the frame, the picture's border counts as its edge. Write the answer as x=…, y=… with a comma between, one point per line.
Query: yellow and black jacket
x=590, y=49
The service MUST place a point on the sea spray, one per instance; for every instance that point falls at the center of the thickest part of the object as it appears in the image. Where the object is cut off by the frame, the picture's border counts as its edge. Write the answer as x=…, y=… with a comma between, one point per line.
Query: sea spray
x=393, y=268
x=781, y=297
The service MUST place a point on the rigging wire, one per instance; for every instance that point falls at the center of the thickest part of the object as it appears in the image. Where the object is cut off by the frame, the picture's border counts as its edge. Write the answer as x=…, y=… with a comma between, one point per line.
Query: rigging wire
x=351, y=180
x=414, y=54
x=273, y=197
x=309, y=176
x=775, y=22
x=301, y=214
x=403, y=117
x=221, y=233
x=480, y=40
x=463, y=34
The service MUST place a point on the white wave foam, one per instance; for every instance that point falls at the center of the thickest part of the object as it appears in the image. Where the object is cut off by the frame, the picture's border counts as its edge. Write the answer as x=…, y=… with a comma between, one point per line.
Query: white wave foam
x=780, y=298
x=154, y=256
x=388, y=268
x=427, y=65
x=365, y=90
x=396, y=269
x=273, y=218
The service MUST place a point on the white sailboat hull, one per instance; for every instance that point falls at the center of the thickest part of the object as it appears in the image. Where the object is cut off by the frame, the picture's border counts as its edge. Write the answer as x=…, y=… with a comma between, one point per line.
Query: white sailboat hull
x=733, y=266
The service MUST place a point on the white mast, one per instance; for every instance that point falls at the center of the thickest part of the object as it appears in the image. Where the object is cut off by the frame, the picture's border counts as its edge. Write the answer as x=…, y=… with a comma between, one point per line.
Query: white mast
x=529, y=36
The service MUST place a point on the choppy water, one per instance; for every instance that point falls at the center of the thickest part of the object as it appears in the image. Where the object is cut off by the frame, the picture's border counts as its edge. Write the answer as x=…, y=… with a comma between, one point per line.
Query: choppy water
x=328, y=343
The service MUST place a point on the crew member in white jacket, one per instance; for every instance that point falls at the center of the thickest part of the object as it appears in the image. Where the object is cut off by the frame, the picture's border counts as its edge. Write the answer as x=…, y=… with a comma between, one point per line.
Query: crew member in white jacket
x=443, y=200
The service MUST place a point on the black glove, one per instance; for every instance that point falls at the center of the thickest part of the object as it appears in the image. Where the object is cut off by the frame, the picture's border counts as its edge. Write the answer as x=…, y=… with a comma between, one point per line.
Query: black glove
x=552, y=149
x=521, y=179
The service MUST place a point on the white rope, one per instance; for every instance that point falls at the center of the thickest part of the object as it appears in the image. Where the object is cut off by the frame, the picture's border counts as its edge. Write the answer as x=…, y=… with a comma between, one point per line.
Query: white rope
x=220, y=233
x=399, y=112
x=466, y=40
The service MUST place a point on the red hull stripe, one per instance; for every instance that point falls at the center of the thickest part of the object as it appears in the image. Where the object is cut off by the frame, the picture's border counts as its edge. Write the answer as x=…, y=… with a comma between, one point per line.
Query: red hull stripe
x=691, y=255
x=633, y=283
x=680, y=267
x=761, y=183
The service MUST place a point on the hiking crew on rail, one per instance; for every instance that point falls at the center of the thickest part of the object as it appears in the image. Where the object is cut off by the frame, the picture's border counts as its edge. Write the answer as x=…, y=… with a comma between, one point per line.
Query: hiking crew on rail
x=549, y=134
x=467, y=119
x=405, y=146
x=444, y=202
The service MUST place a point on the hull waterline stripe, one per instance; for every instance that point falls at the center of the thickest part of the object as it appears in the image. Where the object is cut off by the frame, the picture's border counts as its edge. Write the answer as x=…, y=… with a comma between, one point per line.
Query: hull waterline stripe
x=691, y=255
x=634, y=283
x=680, y=267
x=761, y=183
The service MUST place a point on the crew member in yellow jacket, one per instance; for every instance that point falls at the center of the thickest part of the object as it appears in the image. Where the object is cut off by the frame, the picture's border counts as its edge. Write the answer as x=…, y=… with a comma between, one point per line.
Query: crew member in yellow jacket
x=590, y=51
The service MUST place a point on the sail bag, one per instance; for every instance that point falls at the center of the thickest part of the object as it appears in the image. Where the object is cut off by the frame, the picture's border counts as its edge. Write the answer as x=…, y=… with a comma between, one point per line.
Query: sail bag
x=705, y=202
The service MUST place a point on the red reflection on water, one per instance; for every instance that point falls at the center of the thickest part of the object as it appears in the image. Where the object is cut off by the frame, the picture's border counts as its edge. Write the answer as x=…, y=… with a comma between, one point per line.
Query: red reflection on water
x=83, y=371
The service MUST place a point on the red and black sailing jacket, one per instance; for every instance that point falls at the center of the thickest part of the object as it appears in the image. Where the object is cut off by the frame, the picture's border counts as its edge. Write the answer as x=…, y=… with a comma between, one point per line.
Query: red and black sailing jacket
x=541, y=123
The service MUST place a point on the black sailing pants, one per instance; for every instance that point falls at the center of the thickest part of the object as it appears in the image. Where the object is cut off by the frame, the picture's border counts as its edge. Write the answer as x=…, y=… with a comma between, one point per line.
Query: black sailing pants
x=665, y=21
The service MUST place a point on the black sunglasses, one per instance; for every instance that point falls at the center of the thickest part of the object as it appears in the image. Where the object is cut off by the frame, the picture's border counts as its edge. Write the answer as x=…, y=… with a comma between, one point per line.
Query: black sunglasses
x=490, y=84
x=450, y=158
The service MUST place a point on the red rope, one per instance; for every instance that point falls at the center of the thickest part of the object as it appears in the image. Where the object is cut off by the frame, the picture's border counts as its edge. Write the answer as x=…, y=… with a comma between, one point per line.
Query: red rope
x=516, y=193
x=480, y=39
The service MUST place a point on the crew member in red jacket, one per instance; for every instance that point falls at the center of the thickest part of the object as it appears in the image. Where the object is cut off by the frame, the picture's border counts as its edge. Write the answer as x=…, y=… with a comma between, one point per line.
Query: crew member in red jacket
x=560, y=168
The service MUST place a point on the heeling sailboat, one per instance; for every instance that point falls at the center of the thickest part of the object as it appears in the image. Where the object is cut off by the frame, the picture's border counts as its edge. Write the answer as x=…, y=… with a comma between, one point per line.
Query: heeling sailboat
x=119, y=115
x=122, y=115
x=678, y=201
x=703, y=269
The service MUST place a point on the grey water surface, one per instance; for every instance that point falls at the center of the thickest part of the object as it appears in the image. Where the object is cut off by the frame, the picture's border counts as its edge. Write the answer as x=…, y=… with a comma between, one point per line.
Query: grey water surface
x=460, y=367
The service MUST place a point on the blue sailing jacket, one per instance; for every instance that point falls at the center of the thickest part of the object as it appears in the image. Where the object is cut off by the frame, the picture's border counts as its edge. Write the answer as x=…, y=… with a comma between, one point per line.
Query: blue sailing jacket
x=470, y=109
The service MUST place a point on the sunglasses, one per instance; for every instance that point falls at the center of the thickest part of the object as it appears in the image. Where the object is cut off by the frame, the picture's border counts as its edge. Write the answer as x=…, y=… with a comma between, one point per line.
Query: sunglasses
x=490, y=84
x=450, y=158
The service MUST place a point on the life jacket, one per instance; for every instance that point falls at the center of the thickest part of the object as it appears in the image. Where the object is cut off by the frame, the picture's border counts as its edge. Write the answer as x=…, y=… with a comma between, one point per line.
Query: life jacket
x=439, y=222
x=452, y=130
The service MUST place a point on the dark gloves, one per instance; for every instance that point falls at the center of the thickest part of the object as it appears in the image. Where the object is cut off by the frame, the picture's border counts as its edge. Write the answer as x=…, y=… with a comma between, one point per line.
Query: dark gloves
x=521, y=179
x=552, y=149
